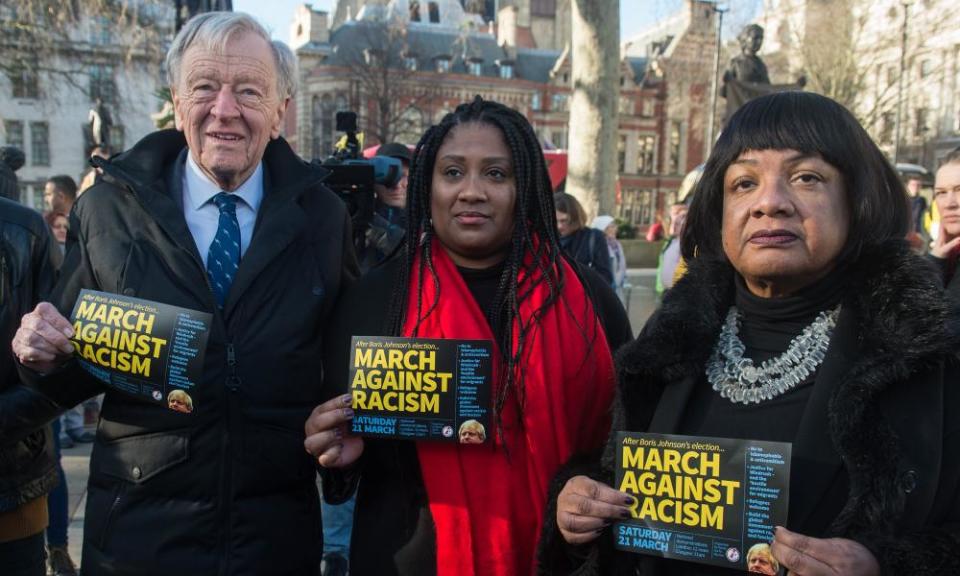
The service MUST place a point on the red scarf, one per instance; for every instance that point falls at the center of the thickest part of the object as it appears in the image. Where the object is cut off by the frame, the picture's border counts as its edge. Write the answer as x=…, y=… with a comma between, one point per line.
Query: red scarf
x=488, y=502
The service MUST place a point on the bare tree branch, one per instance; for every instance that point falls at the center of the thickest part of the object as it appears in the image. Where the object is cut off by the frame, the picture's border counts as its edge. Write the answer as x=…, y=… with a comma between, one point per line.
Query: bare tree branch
x=386, y=83
x=49, y=44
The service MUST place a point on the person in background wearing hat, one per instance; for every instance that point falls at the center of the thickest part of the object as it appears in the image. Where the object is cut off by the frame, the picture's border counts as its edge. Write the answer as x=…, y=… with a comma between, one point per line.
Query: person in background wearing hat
x=388, y=226
x=618, y=261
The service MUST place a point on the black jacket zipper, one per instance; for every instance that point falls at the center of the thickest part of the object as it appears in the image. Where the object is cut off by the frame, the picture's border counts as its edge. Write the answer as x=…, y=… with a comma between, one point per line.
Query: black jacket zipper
x=231, y=400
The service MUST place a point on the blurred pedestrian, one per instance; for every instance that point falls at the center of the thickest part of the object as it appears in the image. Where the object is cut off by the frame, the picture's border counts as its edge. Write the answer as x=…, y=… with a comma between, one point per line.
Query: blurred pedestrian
x=584, y=244
x=917, y=236
x=27, y=469
x=670, y=258
x=59, y=224
x=388, y=226
x=59, y=194
x=946, y=195
x=618, y=260
x=918, y=204
x=655, y=231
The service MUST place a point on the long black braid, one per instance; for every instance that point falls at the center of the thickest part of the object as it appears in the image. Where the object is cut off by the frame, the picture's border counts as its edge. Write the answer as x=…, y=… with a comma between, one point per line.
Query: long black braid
x=534, y=232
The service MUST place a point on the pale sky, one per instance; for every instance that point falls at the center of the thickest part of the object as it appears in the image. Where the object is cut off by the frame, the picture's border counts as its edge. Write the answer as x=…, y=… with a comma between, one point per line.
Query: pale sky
x=635, y=15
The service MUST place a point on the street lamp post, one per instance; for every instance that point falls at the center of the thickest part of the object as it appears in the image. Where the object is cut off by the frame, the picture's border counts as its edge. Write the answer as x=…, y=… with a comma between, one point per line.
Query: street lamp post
x=708, y=145
x=903, y=67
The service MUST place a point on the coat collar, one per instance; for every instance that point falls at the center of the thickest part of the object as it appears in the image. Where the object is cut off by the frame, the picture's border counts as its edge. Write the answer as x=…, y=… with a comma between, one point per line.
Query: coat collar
x=149, y=171
x=892, y=328
x=147, y=164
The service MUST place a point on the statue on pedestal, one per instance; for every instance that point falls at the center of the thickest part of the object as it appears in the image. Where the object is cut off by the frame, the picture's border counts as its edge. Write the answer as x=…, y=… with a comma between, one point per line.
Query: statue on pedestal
x=100, y=123
x=746, y=77
x=11, y=160
x=187, y=9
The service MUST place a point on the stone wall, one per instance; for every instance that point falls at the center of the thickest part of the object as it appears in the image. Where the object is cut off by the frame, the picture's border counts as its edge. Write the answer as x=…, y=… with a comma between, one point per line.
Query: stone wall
x=640, y=253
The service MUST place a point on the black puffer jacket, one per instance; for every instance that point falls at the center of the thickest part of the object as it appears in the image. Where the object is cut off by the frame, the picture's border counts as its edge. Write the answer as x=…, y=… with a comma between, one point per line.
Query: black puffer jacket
x=28, y=259
x=877, y=455
x=229, y=488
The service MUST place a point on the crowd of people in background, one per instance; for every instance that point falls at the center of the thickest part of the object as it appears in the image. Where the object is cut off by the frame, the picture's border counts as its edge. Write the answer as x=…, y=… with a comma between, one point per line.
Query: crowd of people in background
x=800, y=241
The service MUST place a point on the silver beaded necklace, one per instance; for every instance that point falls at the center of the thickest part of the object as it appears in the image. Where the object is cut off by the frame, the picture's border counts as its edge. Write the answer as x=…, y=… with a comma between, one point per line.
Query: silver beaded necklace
x=737, y=379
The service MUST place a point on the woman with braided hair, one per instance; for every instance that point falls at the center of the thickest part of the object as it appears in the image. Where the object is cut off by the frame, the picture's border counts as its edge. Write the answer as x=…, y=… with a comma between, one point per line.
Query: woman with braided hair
x=482, y=261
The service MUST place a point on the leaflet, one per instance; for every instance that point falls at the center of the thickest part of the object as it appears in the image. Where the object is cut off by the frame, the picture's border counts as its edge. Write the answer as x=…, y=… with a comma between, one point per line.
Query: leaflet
x=148, y=349
x=709, y=500
x=421, y=388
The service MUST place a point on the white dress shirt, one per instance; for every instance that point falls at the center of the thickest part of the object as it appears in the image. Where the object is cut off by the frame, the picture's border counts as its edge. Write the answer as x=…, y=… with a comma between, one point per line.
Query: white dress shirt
x=202, y=214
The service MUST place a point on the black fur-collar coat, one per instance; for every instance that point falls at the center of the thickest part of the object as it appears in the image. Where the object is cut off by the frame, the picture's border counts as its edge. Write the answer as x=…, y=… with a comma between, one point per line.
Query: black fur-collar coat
x=880, y=433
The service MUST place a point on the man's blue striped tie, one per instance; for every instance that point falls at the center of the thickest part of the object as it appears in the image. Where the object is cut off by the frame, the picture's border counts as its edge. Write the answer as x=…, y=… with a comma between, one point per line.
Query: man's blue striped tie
x=223, y=258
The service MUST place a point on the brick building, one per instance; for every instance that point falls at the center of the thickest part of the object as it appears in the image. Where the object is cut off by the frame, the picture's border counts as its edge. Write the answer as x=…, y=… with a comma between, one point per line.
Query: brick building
x=403, y=64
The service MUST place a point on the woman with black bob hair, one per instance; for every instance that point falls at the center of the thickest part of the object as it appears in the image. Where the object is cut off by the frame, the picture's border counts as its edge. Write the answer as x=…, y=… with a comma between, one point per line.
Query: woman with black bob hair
x=482, y=262
x=804, y=317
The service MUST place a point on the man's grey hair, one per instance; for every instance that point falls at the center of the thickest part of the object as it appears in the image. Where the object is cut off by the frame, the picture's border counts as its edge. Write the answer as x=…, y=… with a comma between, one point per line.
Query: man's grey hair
x=213, y=30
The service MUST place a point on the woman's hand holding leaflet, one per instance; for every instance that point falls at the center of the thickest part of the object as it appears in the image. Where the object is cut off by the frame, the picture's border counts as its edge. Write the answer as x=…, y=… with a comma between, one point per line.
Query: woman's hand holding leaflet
x=585, y=507
x=328, y=437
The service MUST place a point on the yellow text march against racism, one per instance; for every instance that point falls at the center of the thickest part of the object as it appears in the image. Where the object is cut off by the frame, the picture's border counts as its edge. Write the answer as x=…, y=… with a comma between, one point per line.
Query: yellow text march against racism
x=148, y=349
x=709, y=500
x=420, y=388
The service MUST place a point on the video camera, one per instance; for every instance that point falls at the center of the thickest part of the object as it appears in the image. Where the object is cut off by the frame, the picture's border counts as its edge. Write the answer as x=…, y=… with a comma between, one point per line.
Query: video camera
x=352, y=177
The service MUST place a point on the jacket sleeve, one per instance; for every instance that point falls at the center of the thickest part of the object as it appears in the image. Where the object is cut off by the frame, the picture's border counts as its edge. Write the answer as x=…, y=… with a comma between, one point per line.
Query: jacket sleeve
x=933, y=549
x=930, y=551
x=69, y=385
x=557, y=557
x=22, y=409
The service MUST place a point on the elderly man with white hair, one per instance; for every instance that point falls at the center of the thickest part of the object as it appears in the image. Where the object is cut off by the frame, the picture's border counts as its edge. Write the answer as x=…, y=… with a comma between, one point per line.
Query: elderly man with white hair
x=225, y=488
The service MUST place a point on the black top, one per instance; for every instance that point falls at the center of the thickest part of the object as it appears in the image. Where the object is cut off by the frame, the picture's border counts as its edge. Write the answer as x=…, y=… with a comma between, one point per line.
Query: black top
x=483, y=284
x=767, y=326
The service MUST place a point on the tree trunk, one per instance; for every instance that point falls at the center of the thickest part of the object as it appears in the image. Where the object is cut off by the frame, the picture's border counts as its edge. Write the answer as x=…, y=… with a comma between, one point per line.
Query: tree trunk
x=592, y=173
